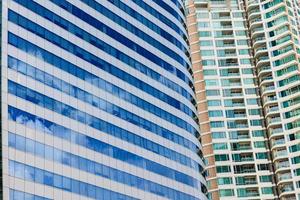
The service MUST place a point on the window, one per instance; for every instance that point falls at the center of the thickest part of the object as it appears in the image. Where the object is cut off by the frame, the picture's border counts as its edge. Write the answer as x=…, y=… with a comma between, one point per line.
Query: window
x=203, y=24
x=202, y=15
x=245, y=61
x=223, y=169
x=261, y=156
x=253, y=102
x=258, y=133
x=215, y=113
x=212, y=93
x=242, y=42
x=265, y=178
x=226, y=192
x=256, y=122
x=238, y=15
x=221, y=157
x=210, y=72
x=218, y=135
x=248, y=81
x=260, y=144
x=214, y=103
x=240, y=33
x=220, y=146
x=247, y=71
x=239, y=24
x=217, y=124
x=206, y=52
x=211, y=82
x=206, y=43
x=224, y=181
x=204, y=33
x=267, y=190
x=208, y=62
x=255, y=112
x=244, y=52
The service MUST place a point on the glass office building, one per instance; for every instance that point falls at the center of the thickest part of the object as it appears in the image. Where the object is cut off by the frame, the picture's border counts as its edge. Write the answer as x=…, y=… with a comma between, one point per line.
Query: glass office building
x=98, y=101
x=245, y=56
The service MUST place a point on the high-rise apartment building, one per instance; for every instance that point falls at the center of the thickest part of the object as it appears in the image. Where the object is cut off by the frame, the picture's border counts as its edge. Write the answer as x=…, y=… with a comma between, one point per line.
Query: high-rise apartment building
x=245, y=57
x=98, y=102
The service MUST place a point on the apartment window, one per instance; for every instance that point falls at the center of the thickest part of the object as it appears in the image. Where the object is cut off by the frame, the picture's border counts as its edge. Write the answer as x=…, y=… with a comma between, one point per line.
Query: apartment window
x=220, y=146
x=242, y=42
x=260, y=144
x=226, y=192
x=245, y=61
x=261, y=156
x=208, y=62
x=255, y=112
x=214, y=103
x=202, y=15
x=211, y=82
x=256, y=122
x=221, y=157
x=210, y=72
x=258, y=133
x=267, y=190
x=238, y=15
x=253, y=102
x=212, y=93
x=263, y=167
x=224, y=181
x=296, y=160
x=244, y=52
x=265, y=178
x=215, y=113
x=217, y=124
x=239, y=24
x=247, y=71
x=203, y=24
x=240, y=33
x=218, y=135
x=207, y=52
x=206, y=43
x=223, y=169
x=205, y=34
x=248, y=81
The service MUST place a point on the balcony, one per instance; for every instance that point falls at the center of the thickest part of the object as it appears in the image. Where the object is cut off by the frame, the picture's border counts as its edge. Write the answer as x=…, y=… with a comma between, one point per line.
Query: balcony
x=257, y=29
x=276, y=131
x=286, y=188
x=272, y=109
x=280, y=165
x=254, y=11
x=278, y=142
x=274, y=120
x=270, y=99
x=282, y=153
x=264, y=68
x=269, y=88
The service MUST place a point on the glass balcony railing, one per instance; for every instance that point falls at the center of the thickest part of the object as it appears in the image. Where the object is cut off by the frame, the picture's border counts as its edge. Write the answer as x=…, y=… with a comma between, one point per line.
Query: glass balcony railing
x=287, y=188
x=280, y=154
x=253, y=11
x=257, y=29
x=273, y=109
x=284, y=177
x=280, y=165
x=268, y=88
x=276, y=131
x=264, y=68
x=274, y=120
x=258, y=39
x=278, y=142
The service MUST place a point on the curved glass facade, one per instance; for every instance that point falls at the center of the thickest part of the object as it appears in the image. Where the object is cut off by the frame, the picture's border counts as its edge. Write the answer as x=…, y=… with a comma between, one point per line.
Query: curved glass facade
x=98, y=101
